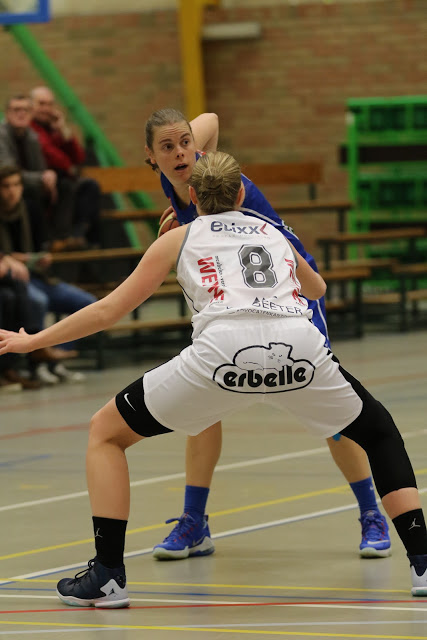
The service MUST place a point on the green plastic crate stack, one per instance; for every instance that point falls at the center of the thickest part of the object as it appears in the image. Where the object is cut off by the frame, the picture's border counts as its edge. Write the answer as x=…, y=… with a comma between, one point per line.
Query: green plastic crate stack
x=388, y=185
x=387, y=166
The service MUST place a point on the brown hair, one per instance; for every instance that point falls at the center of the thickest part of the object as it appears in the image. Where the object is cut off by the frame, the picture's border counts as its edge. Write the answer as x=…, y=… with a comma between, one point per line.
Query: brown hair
x=159, y=119
x=216, y=179
x=19, y=96
x=8, y=170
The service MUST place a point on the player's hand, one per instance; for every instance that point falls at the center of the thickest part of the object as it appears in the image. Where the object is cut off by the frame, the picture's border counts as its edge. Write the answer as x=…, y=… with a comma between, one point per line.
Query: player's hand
x=167, y=212
x=12, y=342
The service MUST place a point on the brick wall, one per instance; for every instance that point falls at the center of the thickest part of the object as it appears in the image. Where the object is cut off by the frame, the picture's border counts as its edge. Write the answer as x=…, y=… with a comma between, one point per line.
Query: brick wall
x=279, y=98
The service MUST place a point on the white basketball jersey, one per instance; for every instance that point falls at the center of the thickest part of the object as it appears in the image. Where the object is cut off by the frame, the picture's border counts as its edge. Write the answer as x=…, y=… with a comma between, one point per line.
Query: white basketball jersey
x=234, y=264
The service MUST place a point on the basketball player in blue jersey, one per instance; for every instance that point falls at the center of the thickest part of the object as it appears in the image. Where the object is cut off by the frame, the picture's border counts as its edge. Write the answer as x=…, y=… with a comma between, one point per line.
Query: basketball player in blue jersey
x=173, y=147
x=242, y=353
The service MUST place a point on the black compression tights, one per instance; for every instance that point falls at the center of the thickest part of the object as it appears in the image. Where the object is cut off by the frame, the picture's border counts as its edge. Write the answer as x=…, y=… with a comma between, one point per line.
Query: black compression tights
x=374, y=430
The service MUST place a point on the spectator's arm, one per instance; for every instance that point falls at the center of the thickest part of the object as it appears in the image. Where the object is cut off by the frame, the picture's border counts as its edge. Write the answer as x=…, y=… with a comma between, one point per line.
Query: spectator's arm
x=17, y=268
x=54, y=157
x=30, y=178
x=59, y=153
x=72, y=148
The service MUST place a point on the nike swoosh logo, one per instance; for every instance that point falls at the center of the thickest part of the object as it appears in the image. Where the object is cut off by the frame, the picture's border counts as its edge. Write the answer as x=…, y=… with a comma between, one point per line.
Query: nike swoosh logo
x=127, y=400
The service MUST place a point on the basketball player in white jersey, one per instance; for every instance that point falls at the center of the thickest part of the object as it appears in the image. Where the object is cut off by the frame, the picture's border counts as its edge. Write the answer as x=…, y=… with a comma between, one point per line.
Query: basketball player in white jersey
x=173, y=146
x=253, y=342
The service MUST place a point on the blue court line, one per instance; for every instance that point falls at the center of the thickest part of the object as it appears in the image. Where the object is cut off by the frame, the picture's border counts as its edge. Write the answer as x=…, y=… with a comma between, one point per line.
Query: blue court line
x=12, y=463
x=61, y=630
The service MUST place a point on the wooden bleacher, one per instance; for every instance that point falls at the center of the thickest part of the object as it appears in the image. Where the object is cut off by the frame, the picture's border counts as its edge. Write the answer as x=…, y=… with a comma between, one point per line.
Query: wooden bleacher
x=347, y=276
x=370, y=238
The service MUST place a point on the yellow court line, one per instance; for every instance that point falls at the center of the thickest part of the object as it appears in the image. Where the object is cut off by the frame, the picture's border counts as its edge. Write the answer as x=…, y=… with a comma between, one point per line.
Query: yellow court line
x=152, y=527
x=305, y=634
x=205, y=585
x=270, y=503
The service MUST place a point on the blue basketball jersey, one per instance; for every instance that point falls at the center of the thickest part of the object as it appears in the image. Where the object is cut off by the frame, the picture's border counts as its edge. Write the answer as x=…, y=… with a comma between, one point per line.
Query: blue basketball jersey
x=256, y=204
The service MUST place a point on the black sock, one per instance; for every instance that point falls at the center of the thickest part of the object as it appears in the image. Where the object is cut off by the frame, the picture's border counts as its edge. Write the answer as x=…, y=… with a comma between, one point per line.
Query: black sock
x=109, y=541
x=411, y=528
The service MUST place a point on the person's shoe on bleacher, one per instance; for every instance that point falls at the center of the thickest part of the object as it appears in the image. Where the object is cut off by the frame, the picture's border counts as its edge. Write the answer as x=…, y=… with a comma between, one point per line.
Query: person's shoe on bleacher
x=65, y=375
x=44, y=375
x=9, y=387
x=13, y=377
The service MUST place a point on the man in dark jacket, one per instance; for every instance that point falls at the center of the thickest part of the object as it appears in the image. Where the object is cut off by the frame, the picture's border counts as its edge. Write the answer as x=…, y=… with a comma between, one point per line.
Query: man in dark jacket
x=49, y=202
x=46, y=293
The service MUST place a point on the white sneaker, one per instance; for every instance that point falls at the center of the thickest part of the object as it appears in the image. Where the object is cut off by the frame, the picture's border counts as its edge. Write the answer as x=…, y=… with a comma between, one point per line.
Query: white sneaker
x=45, y=376
x=65, y=375
x=419, y=575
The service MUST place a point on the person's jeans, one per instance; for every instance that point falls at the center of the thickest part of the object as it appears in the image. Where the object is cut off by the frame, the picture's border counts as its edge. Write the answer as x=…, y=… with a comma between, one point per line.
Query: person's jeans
x=62, y=298
x=15, y=312
x=87, y=209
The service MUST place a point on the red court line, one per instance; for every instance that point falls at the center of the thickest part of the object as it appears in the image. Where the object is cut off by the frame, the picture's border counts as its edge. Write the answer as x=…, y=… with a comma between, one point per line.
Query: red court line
x=237, y=604
x=62, y=400
x=38, y=432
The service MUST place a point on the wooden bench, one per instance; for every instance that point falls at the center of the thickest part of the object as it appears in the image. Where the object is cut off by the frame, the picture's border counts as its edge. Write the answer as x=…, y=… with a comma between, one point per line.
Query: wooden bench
x=410, y=234
x=351, y=304
x=408, y=276
x=349, y=298
x=125, y=180
x=131, y=179
x=96, y=255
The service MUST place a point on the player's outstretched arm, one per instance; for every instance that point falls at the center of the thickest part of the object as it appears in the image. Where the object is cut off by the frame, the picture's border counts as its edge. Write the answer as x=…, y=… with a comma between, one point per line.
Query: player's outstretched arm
x=205, y=131
x=153, y=268
x=312, y=284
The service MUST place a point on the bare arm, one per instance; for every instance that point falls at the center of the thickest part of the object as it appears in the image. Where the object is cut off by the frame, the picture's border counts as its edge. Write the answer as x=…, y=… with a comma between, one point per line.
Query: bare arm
x=205, y=131
x=312, y=284
x=143, y=281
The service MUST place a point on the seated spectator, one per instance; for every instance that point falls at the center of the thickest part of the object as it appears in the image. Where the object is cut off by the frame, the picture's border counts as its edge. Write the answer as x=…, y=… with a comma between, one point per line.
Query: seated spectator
x=14, y=312
x=46, y=293
x=49, y=202
x=64, y=154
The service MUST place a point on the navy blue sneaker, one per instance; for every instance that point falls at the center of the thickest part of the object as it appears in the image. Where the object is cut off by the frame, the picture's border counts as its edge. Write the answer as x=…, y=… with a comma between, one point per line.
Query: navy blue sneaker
x=189, y=537
x=96, y=586
x=418, y=575
x=375, y=535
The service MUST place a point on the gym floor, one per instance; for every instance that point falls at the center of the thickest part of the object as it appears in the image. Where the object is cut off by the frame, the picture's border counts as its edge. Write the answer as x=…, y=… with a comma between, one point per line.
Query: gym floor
x=284, y=521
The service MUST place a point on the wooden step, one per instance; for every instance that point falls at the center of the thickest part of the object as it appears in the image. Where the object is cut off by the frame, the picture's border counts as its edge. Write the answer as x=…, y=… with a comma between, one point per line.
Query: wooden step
x=416, y=269
x=394, y=297
x=94, y=255
x=372, y=237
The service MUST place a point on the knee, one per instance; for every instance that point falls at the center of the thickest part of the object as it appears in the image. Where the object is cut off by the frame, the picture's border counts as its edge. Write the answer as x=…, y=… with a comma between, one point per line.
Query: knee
x=97, y=431
x=105, y=429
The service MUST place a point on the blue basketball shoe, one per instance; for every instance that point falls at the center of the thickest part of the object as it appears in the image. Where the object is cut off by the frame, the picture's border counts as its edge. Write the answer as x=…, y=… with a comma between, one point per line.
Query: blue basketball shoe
x=96, y=586
x=375, y=536
x=418, y=575
x=189, y=537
